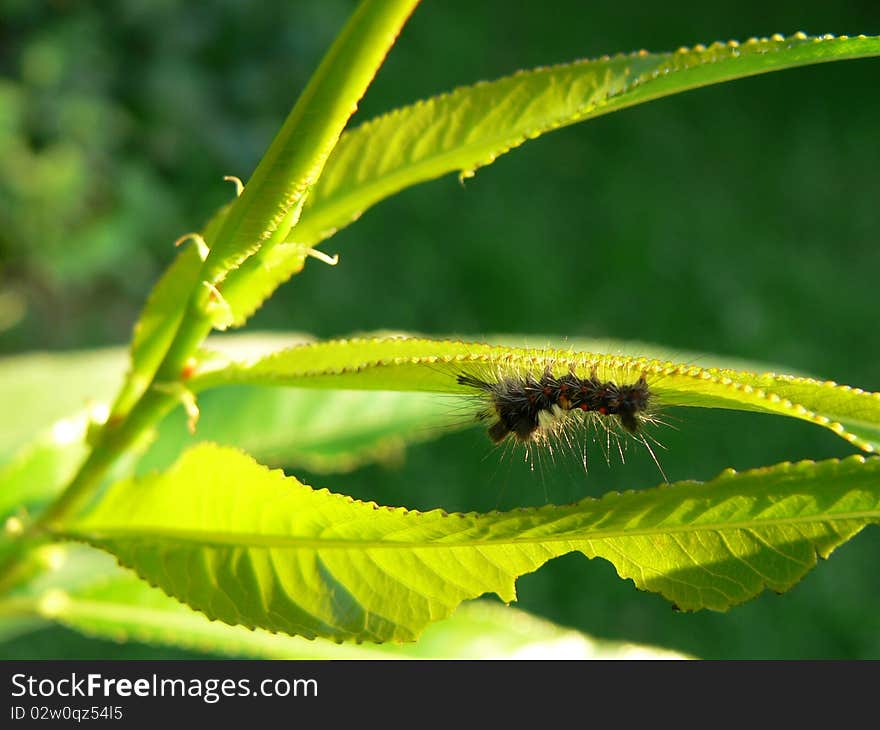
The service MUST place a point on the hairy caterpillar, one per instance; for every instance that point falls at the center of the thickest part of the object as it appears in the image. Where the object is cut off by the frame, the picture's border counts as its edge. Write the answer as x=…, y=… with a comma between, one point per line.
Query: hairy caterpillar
x=537, y=410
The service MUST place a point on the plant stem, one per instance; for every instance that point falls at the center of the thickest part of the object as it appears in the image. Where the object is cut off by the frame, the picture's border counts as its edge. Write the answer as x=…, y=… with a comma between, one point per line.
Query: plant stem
x=296, y=157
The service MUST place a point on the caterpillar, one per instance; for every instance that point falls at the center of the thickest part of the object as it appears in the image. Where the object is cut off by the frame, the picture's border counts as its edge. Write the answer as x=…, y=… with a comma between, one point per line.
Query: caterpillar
x=536, y=410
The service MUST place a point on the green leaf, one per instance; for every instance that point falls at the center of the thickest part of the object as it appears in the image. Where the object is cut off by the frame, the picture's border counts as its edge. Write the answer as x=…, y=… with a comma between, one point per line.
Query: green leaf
x=251, y=546
x=419, y=365
x=115, y=604
x=472, y=126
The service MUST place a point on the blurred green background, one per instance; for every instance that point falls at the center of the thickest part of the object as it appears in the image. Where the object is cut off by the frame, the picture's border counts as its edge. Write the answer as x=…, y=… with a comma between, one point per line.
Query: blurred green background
x=740, y=220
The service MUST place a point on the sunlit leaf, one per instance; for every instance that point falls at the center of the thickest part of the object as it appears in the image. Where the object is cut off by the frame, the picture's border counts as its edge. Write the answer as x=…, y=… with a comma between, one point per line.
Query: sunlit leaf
x=251, y=546
x=472, y=126
x=419, y=365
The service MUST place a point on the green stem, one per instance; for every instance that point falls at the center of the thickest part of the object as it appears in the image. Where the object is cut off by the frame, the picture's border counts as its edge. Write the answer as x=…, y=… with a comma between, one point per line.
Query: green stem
x=296, y=157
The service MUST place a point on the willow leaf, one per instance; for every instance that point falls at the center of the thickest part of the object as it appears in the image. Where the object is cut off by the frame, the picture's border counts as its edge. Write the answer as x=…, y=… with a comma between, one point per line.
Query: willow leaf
x=412, y=364
x=472, y=126
x=251, y=546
